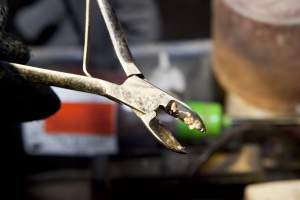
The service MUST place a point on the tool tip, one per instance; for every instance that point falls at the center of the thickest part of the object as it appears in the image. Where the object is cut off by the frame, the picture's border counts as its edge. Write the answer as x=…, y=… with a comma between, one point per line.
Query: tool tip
x=179, y=149
x=191, y=119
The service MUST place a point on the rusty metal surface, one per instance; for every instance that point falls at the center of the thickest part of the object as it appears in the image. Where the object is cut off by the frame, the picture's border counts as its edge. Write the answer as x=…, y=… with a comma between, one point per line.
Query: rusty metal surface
x=257, y=61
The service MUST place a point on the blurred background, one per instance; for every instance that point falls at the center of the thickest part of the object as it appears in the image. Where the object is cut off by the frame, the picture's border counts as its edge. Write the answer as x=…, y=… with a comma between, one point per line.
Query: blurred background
x=235, y=62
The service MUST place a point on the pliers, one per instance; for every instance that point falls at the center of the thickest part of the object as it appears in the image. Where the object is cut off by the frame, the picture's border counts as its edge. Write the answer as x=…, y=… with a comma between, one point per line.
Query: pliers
x=145, y=99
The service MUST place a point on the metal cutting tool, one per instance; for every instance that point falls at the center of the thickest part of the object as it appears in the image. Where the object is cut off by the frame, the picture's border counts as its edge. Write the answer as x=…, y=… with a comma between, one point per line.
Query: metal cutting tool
x=145, y=99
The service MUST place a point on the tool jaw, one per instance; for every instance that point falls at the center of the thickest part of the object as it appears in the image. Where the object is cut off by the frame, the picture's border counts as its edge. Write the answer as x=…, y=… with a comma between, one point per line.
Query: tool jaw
x=147, y=101
x=138, y=94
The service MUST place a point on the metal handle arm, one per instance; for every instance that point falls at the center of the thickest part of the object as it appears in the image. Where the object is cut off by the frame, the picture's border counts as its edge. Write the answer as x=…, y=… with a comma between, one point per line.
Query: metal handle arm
x=118, y=38
x=61, y=79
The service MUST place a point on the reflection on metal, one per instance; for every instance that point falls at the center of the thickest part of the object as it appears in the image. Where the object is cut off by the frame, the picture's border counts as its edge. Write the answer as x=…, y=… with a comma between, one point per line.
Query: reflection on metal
x=268, y=11
x=257, y=60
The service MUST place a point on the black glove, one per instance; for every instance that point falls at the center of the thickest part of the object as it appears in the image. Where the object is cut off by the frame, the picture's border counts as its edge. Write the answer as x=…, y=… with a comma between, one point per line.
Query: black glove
x=20, y=100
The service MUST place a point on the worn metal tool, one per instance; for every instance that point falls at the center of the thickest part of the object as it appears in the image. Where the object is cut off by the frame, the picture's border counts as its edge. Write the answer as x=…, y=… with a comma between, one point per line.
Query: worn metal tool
x=142, y=97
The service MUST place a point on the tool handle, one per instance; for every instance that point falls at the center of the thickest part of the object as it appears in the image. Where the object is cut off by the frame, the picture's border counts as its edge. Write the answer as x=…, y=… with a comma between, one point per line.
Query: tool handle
x=59, y=79
x=118, y=38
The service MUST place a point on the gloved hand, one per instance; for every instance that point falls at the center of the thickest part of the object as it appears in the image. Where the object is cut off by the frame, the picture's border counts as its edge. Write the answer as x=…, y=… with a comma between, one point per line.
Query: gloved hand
x=20, y=100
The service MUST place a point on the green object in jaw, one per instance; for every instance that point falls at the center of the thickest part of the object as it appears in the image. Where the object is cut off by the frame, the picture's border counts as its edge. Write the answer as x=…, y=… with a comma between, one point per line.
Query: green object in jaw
x=213, y=117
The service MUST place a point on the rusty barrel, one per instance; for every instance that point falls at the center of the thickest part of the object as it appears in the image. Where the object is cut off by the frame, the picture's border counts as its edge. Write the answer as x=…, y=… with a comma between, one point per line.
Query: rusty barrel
x=257, y=51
